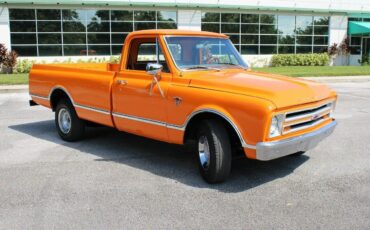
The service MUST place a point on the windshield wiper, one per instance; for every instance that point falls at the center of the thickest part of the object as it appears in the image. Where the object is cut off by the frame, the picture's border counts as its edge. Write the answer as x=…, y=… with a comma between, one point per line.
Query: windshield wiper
x=201, y=67
x=229, y=63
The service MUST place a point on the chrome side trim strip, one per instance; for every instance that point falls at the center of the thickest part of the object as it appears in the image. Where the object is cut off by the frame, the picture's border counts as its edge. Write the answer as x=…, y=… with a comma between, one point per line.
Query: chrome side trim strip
x=39, y=96
x=92, y=109
x=140, y=119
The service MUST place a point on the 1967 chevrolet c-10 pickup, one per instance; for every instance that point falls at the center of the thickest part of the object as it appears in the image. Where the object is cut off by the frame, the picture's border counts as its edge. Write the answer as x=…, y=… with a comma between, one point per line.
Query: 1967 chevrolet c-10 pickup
x=179, y=86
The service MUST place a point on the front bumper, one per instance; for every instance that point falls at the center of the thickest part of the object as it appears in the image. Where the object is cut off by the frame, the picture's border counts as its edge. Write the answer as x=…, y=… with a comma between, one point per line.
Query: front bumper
x=271, y=150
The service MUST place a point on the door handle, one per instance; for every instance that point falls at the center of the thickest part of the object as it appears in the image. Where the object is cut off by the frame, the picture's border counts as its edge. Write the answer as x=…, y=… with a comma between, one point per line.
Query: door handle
x=121, y=82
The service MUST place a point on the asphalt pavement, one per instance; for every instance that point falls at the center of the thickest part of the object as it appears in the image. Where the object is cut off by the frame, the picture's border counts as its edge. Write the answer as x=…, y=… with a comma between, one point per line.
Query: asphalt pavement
x=113, y=180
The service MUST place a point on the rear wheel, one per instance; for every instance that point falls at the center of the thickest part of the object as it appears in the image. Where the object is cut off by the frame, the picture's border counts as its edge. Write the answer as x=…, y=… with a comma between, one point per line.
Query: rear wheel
x=69, y=126
x=214, y=151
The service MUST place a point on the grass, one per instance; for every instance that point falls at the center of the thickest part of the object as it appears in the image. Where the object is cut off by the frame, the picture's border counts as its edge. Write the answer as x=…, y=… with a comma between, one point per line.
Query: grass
x=316, y=71
x=14, y=79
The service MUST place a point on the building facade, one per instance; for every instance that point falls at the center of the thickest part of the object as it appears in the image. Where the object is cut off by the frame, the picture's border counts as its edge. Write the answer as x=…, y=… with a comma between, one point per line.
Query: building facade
x=49, y=30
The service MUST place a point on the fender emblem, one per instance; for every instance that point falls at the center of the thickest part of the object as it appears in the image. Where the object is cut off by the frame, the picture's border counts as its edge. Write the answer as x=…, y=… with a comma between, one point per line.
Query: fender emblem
x=178, y=100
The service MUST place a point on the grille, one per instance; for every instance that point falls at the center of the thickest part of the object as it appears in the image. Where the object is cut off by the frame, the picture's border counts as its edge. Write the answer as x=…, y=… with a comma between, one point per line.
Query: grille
x=303, y=119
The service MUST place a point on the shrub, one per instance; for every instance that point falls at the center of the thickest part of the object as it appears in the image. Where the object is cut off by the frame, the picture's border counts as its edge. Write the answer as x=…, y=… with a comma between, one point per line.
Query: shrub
x=8, y=59
x=3, y=52
x=300, y=59
x=23, y=66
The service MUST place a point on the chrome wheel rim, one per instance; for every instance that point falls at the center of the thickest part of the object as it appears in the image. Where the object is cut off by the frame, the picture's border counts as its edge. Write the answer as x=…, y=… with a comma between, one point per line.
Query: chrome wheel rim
x=64, y=121
x=203, y=151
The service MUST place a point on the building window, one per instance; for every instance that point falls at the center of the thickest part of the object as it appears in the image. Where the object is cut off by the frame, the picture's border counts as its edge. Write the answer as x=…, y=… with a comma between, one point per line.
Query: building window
x=270, y=33
x=80, y=32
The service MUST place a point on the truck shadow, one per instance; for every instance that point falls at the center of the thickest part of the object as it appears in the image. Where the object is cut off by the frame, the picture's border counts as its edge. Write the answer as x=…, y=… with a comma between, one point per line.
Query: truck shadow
x=162, y=159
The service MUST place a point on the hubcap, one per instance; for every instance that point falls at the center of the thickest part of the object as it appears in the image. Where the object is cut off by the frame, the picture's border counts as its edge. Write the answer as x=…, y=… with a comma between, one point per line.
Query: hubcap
x=64, y=121
x=203, y=151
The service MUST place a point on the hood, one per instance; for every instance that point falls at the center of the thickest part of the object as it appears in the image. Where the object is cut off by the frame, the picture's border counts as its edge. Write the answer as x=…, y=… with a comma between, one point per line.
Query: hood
x=280, y=90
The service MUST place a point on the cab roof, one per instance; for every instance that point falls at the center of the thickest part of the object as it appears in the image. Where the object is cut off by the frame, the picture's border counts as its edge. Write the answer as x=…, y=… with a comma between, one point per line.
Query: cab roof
x=177, y=32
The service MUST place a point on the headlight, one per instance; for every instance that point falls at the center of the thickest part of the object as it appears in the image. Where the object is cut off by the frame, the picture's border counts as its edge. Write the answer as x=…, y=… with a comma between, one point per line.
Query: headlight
x=276, y=125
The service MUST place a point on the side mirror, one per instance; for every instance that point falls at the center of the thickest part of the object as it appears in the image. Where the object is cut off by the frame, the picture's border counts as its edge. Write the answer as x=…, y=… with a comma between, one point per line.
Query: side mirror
x=154, y=69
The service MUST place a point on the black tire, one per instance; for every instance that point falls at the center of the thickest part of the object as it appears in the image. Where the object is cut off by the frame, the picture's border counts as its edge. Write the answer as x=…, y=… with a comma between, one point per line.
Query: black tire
x=298, y=154
x=77, y=126
x=219, y=164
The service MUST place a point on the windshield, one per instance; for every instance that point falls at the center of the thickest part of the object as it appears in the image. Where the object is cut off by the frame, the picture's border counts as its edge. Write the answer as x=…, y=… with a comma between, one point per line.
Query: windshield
x=204, y=53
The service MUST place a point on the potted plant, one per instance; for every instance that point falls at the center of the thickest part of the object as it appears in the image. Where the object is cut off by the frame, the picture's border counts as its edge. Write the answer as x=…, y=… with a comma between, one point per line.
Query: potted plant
x=333, y=53
x=3, y=52
x=9, y=62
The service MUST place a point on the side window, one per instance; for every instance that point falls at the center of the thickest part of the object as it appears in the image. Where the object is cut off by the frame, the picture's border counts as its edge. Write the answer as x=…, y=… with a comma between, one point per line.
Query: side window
x=144, y=52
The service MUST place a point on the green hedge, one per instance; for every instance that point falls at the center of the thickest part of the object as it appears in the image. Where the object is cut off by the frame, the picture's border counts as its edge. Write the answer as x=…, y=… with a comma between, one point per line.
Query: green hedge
x=300, y=59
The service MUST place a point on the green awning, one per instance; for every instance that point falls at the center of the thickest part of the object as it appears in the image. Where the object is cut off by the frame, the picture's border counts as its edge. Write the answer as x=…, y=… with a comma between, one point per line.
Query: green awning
x=358, y=28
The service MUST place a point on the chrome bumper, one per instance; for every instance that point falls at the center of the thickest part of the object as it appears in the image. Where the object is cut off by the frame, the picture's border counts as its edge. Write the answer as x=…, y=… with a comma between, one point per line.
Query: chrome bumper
x=271, y=150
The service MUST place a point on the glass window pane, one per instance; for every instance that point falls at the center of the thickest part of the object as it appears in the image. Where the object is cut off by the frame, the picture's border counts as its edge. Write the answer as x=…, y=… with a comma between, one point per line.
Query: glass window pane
x=249, y=39
x=97, y=15
x=19, y=26
x=268, y=49
x=268, y=19
x=211, y=27
x=234, y=38
x=250, y=18
x=210, y=17
x=75, y=50
x=48, y=14
x=321, y=40
x=74, y=15
x=99, y=50
x=366, y=19
x=304, y=40
x=304, y=30
x=50, y=26
x=249, y=49
x=98, y=27
x=121, y=15
x=49, y=38
x=98, y=38
x=268, y=29
x=303, y=21
x=118, y=38
x=166, y=25
x=322, y=49
x=229, y=28
x=167, y=16
x=23, y=38
x=116, y=50
x=323, y=21
x=356, y=41
x=230, y=18
x=288, y=39
x=144, y=15
x=286, y=24
x=249, y=29
x=355, y=50
x=321, y=30
x=74, y=27
x=304, y=49
x=237, y=47
x=268, y=39
x=144, y=25
x=25, y=51
x=121, y=26
x=50, y=50
x=286, y=49
x=21, y=14
x=74, y=38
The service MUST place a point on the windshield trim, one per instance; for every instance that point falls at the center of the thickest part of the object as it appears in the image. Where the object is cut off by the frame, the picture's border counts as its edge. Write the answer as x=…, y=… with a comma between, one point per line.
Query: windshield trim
x=181, y=69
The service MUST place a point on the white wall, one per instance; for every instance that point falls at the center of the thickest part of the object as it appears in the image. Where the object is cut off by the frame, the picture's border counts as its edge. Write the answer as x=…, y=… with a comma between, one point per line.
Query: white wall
x=4, y=27
x=337, y=29
x=189, y=19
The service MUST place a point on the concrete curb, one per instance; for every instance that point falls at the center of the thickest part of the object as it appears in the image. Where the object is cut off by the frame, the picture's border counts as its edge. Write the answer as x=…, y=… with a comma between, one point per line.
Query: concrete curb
x=13, y=88
x=24, y=88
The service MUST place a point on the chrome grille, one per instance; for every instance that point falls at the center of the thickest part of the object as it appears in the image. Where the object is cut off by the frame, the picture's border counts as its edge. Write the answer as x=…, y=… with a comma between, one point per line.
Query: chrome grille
x=306, y=118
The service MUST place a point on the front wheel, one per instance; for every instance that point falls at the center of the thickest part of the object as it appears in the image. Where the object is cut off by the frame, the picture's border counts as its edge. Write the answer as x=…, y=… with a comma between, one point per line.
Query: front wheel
x=214, y=151
x=70, y=127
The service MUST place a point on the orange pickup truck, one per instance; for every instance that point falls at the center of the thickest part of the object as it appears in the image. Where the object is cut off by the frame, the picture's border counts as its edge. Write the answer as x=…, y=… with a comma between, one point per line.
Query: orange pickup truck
x=189, y=87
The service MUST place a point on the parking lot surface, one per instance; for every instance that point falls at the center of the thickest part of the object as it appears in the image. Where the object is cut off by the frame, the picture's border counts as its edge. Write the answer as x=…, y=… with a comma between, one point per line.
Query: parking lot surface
x=115, y=180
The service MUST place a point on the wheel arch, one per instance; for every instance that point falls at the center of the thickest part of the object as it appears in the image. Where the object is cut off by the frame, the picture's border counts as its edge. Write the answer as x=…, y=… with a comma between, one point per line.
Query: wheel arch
x=56, y=94
x=196, y=117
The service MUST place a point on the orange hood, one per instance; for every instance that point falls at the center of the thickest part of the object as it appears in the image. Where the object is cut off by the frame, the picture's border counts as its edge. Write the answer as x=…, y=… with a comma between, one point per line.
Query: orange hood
x=280, y=90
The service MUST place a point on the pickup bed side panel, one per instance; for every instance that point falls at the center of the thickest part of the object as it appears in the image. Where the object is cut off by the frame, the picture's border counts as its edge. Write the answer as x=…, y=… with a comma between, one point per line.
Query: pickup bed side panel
x=89, y=90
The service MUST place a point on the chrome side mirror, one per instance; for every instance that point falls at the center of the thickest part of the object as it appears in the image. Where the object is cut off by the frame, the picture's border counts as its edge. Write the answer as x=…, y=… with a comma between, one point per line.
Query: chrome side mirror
x=154, y=69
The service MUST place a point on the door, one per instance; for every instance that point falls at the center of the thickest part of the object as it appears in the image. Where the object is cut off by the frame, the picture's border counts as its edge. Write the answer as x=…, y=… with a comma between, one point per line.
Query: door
x=366, y=47
x=139, y=102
